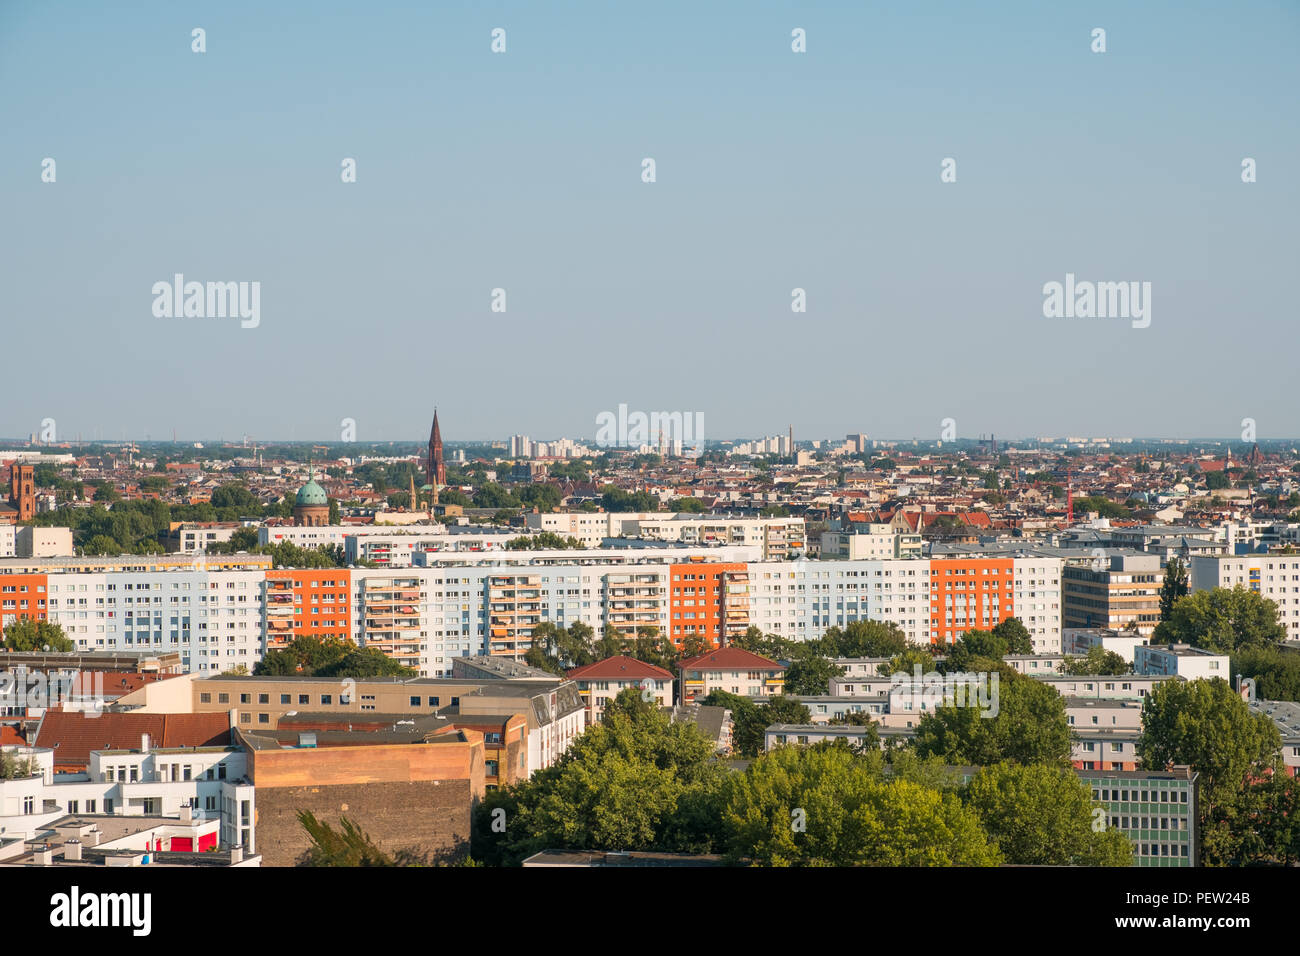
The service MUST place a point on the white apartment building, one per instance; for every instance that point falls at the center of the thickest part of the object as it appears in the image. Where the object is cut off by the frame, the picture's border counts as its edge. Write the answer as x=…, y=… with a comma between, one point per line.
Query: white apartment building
x=800, y=599
x=213, y=619
x=777, y=537
x=1274, y=576
x=879, y=541
x=1036, y=593
x=337, y=534
x=208, y=781
x=398, y=548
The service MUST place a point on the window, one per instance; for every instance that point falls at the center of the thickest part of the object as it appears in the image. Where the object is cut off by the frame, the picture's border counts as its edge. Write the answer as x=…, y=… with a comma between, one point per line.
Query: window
x=285, y=698
x=415, y=700
x=327, y=698
x=263, y=698
x=206, y=698
x=304, y=698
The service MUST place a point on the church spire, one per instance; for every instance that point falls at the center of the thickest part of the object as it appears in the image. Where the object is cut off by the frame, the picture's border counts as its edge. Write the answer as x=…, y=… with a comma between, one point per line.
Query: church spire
x=437, y=470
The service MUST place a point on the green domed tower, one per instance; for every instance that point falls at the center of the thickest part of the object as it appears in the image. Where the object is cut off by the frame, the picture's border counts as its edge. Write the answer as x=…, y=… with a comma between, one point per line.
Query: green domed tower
x=311, y=507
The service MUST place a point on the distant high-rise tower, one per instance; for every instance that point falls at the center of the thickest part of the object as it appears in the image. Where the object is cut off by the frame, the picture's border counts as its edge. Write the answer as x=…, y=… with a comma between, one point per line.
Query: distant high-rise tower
x=437, y=472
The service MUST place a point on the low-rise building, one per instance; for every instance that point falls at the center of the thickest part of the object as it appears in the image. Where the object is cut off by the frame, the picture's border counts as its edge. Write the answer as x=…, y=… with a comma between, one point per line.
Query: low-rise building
x=601, y=682
x=1078, y=641
x=733, y=670
x=1156, y=810
x=1179, y=660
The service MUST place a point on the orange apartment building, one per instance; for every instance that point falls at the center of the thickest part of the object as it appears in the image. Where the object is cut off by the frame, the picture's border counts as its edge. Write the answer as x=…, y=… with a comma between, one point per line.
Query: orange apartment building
x=22, y=595
x=307, y=603
x=708, y=600
x=969, y=595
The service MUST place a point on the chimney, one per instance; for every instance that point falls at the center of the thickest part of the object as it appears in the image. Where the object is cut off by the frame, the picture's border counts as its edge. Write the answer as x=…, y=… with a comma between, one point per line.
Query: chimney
x=187, y=814
x=72, y=850
x=92, y=836
x=236, y=854
x=234, y=718
x=44, y=854
x=144, y=743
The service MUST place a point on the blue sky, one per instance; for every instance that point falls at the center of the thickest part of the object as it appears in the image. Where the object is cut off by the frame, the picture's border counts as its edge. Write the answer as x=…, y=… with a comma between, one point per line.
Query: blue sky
x=775, y=170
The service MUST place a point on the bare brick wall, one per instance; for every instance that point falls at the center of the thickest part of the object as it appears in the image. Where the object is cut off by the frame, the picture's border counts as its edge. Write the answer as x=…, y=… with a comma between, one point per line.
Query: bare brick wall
x=425, y=816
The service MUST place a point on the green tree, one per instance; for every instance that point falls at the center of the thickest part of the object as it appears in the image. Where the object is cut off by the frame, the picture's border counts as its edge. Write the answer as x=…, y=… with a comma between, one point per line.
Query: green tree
x=348, y=846
x=1204, y=724
x=811, y=676
x=244, y=539
x=14, y=767
x=235, y=495
x=635, y=781
x=916, y=655
x=1222, y=620
x=492, y=495
x=687, y=506
x=1016, y=636
x=1276, y=673
x=749, y=725
x=1216, y=481
x=1097, y=661
x=865, y=639
x=1174, y=588
x=822, y=806
x=1029, y=726
x=543, y=541
x=1044, y=816
x=27, y=635
x=543, y=497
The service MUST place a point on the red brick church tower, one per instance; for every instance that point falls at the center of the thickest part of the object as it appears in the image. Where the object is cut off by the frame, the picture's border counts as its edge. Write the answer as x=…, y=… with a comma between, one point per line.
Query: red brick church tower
x=437, y=471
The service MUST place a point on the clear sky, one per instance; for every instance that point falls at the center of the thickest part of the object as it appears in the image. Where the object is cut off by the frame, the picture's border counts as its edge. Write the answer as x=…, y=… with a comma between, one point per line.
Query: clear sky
x=522, y=171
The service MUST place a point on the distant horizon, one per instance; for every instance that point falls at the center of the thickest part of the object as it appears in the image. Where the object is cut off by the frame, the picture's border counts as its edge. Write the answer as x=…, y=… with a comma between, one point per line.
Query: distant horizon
x=452, y=443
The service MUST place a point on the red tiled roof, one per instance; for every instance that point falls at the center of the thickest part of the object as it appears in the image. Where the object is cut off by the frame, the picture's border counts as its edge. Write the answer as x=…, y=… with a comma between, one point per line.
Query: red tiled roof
x=618, y=666
x=10, y=735
x=728, y=659
x=73, y=735
x=114, y=683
